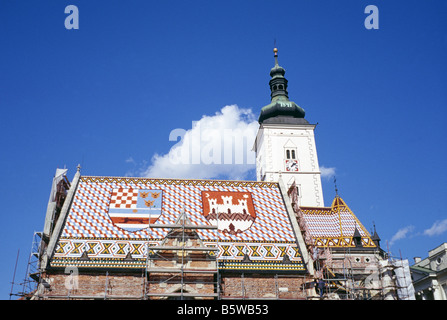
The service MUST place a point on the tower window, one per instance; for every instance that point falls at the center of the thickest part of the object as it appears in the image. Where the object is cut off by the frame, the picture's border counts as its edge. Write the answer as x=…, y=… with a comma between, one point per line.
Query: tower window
x=290, y=154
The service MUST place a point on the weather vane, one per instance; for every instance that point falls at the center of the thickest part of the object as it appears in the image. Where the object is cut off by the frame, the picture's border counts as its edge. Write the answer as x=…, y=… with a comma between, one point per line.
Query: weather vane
x=335, y=184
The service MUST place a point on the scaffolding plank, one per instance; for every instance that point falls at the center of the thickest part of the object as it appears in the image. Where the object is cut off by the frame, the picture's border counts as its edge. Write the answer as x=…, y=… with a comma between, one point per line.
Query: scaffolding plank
x=93, y=297
x=177, y=270
x=184, y=294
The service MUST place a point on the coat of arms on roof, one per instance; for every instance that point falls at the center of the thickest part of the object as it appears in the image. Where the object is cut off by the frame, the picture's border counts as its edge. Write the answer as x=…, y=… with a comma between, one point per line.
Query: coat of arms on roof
x=232, y=212
x=134, y=209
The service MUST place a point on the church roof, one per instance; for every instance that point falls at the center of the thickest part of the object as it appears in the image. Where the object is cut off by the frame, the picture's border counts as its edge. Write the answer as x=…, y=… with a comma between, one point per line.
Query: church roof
x=335, y=226
x=112, y=216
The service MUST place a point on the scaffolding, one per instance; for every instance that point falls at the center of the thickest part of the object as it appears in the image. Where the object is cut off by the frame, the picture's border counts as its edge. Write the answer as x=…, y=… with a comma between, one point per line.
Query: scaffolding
x=33, y=272
x=340, y=276
x=347, y=278
x=181, y=267
x=397, y=281
x=344, y=278
x=32, y=279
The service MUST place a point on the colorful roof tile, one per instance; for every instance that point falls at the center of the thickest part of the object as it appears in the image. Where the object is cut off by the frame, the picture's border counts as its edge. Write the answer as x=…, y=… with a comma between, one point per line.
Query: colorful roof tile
x=335, y=226
x=110, y=216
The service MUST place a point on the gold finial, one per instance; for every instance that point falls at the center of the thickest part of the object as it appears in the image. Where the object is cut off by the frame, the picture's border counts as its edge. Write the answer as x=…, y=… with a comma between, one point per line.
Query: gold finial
x=275, y=50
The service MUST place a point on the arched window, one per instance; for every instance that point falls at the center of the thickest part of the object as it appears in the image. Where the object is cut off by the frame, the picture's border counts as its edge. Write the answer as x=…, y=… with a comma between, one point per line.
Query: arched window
x=293, y=154
x=287, y=154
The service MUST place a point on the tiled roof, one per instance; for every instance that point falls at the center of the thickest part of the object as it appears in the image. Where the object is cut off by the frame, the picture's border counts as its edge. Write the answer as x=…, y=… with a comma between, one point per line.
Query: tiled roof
x=334, y=226
x=109, y=218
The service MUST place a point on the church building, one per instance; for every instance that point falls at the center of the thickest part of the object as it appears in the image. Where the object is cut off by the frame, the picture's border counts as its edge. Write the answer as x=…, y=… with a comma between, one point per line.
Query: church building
x=145, y=238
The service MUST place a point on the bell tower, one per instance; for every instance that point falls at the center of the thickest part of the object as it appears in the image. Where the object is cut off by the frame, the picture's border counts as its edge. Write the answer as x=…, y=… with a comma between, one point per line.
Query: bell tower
x=285, y=143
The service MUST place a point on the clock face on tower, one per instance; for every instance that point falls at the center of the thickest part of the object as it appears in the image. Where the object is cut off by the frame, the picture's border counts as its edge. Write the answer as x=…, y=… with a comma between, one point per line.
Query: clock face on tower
x=291, y=165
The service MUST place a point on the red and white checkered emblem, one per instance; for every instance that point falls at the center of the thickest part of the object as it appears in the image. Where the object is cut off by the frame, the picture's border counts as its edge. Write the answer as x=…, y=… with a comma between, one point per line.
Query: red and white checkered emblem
x=124, y=198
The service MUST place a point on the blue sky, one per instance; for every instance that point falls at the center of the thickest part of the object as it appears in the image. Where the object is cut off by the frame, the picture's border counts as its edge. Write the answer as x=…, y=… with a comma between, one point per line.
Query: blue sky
x=108, y=95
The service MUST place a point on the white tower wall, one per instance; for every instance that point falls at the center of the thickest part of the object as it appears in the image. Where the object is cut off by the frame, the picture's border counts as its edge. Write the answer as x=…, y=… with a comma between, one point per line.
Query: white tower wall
x=271, y=144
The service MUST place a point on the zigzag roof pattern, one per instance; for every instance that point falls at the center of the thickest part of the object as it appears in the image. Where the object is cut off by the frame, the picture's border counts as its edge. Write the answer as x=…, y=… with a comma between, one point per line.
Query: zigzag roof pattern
x=335, y=226
x=110, y=217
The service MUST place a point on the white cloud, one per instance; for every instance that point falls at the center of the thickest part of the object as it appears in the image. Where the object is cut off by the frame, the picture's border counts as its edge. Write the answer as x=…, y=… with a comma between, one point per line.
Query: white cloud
x=130, y=160
x=437, y=228
x=215, y=146
x=401, y=234
x=327, y=173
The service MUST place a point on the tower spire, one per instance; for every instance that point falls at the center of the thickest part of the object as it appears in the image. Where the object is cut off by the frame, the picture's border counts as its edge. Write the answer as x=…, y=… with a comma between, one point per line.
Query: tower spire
x=280, y=105
x=278, y=83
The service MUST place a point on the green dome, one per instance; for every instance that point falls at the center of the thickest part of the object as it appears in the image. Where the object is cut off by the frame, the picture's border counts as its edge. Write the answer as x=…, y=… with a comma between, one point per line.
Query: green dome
x=280, y=105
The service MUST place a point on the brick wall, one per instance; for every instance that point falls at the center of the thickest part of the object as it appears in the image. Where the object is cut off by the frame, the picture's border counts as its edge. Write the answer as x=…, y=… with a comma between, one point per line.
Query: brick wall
x=131, y=286
x=202, y=285
x=263, y=286
x=93, y=285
